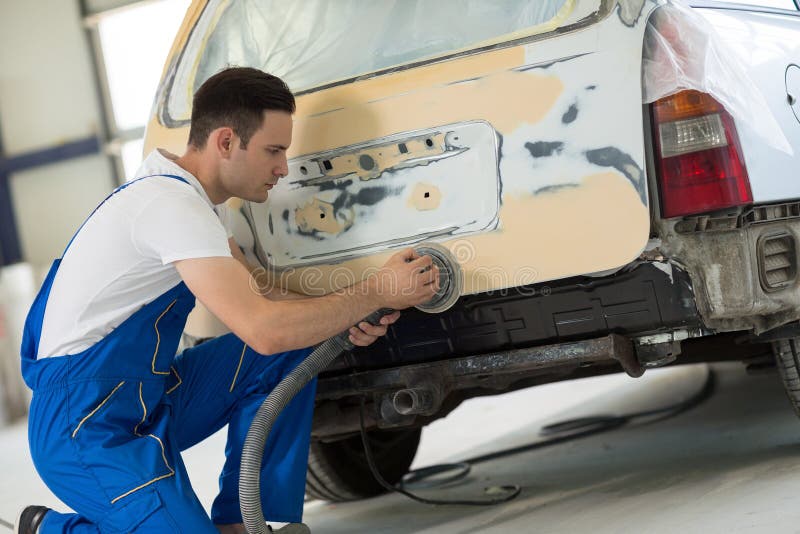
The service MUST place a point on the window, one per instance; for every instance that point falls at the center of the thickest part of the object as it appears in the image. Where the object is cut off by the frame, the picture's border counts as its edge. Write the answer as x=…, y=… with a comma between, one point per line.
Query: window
x=308, y=43
x=777, y=4
x=132, y=44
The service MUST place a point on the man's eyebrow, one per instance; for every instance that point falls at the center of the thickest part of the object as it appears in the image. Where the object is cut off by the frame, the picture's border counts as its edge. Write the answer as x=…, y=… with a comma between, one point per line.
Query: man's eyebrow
x=278, y=146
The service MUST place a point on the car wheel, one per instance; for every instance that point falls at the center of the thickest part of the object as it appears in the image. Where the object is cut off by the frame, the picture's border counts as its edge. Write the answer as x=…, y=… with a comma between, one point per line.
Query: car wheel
x=338, y=470
x=787, y=359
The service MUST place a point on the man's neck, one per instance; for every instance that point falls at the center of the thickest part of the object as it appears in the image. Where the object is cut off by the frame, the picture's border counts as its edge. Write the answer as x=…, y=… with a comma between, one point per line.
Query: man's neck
x=192, y=162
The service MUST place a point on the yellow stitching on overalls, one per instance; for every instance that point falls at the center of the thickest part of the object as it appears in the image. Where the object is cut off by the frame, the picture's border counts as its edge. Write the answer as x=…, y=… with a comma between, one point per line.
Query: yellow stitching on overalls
x=144, y=410
x=180, y=381
x=115, y=499
x=163, y=451
x=74, y=432
x=158, y=339
x=137, y=488
x=235, y=376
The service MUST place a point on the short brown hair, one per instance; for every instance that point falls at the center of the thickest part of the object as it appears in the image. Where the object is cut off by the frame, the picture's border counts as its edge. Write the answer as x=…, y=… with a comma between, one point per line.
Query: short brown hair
x=237, y=97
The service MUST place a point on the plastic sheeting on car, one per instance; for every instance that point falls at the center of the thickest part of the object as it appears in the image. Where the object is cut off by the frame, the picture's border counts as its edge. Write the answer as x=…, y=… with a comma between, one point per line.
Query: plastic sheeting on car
x=683, y=51
x=313, y=42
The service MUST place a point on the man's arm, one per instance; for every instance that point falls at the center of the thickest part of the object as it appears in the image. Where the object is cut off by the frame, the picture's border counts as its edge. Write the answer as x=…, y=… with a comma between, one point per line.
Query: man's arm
x=261, y=278
x=223, y=285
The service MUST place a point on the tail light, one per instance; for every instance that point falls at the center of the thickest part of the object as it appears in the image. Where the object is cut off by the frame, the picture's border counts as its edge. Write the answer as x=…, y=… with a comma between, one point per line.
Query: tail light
x=698, y=156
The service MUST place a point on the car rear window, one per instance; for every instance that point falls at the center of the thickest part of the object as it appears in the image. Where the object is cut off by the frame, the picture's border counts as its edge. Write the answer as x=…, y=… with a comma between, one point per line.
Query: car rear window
x=776, y=4
x=309, y=43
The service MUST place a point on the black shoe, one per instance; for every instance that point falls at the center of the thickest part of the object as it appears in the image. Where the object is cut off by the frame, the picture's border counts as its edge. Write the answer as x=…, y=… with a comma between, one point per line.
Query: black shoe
x=29, y=519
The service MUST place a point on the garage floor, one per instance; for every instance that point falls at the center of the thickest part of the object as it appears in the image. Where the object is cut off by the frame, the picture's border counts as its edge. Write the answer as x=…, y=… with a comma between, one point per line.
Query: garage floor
x=731, y=464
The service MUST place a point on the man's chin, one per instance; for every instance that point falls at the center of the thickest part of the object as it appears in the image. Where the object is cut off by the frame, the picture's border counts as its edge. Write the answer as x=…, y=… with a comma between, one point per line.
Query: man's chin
x=258, y=199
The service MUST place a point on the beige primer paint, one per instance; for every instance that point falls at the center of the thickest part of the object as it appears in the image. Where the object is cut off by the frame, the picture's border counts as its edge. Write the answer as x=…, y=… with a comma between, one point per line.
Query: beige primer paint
x=372, y=114
x=319, y=215
x=425, y=197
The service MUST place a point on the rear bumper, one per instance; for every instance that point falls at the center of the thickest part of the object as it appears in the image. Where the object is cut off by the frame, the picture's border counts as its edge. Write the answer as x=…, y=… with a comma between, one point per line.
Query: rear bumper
x=744, y=266
x=495, y=370
x=491, y=343
x=652, y=297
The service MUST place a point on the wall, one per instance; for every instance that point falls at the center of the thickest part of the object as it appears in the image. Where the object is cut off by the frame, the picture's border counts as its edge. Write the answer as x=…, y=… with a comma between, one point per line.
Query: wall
x=48, y=97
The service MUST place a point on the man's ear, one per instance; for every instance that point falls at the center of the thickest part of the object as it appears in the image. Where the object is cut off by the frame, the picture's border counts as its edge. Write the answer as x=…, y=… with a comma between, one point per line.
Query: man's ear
x=224, y=140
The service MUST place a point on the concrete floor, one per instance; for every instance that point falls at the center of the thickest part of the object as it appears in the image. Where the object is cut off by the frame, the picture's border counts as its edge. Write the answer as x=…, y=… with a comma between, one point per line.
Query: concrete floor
x=729, y=465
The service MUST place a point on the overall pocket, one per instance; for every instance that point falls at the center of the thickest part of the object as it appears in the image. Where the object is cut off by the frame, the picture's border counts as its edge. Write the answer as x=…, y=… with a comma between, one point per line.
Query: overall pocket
x=167, y=335
x=120, y=434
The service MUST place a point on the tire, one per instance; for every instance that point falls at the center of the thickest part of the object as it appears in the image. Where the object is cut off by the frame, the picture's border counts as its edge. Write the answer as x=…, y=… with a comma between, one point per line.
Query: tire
x=787, y=359
x=338, y=470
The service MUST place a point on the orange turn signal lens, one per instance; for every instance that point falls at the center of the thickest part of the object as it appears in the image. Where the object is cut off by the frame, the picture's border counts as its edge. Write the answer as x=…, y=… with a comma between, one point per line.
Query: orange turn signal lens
x=685, y=105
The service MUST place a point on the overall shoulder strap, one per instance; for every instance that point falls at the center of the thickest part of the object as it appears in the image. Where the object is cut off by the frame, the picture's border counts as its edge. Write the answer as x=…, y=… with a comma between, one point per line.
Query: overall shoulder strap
x=114, y=192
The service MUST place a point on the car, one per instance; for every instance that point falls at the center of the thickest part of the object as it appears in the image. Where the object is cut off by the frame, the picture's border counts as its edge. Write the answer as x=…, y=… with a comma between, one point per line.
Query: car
x=593, y=215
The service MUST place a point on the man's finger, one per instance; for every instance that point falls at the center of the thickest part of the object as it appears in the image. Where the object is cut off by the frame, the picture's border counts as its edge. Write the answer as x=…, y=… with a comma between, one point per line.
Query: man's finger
x=409, y=254
x=357, y=337
x=422, y=262
x=359, y=342
x=391, y=318
x=430, y=276
x=372, y=330
x=433, y=285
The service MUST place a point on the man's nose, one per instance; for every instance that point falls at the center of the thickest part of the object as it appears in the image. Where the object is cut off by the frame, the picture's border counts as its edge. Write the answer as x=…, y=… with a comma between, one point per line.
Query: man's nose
x=282, y=169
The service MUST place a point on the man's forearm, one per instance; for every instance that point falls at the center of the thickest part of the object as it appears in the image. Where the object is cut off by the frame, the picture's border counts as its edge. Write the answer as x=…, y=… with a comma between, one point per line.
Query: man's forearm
x=262, y=280
x=299, y=323
x=279, y=293
x=226, y=287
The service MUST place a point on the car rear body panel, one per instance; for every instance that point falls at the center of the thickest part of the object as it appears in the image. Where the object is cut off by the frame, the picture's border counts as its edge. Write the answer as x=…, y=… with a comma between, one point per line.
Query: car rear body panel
x=559, y=191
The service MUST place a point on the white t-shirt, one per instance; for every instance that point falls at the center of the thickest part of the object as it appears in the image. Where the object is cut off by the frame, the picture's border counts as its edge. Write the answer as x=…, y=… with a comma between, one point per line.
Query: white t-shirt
x=122, y=257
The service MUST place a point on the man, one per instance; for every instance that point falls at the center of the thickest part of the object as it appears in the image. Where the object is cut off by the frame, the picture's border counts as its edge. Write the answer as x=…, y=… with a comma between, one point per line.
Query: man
x=112, y=405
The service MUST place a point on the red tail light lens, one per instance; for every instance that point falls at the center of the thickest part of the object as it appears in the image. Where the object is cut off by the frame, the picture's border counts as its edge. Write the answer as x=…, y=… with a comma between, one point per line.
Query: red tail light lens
x=698, y=156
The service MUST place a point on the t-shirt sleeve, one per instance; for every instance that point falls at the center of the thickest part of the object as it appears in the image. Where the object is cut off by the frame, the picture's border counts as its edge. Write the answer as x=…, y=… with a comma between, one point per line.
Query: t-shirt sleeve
x=225, y=218
x=178, y=226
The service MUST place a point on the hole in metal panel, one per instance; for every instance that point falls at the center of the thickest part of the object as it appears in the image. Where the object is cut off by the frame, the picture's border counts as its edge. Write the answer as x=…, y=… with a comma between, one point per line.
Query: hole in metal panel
x=366, y=162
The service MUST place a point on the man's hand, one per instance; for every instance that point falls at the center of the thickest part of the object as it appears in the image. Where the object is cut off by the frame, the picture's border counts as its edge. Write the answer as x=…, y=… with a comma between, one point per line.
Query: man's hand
x=405, y=280
x=365, y=334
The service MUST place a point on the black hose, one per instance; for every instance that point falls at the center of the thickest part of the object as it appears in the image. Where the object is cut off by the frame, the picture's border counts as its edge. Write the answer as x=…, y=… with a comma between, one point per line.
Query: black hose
x=450, y=280
x=268, y=412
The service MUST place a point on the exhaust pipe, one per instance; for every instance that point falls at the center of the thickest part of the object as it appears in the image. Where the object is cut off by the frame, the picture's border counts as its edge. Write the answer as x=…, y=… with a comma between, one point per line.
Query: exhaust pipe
x=414, y=401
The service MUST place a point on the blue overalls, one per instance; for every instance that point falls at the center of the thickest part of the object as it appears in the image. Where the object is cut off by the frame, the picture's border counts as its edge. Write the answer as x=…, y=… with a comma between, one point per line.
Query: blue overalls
x=107, y=425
